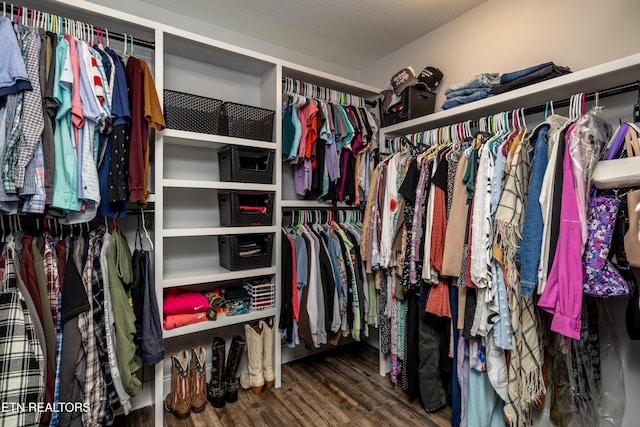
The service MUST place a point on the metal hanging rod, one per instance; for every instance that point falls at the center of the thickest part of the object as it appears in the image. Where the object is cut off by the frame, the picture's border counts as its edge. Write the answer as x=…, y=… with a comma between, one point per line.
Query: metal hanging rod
x=29, y=17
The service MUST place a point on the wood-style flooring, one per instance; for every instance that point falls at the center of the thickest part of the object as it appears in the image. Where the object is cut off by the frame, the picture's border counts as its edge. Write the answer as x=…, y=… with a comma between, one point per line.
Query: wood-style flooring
x=340, y=387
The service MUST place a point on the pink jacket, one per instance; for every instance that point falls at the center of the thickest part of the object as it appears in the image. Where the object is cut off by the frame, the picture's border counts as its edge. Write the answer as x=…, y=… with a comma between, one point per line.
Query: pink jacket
x=184, y=303
x=562, y=295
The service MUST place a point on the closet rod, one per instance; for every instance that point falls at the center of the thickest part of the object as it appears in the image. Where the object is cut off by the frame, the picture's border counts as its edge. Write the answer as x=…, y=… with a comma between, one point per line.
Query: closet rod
x=366, y=101
x=13, y=10
x=612, y=91
x=322, y=208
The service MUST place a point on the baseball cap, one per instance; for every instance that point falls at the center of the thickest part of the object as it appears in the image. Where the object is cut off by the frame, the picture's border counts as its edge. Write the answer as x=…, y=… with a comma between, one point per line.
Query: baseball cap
x=430, y=78
x=402, y=80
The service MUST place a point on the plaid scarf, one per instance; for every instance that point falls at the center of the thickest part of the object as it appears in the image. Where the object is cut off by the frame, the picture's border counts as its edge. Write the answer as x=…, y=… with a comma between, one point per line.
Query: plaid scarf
x=525, y=367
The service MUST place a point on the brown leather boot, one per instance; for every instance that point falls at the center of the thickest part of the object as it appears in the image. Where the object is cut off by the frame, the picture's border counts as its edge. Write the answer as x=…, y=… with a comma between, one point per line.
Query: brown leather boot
x=178, y=400
x=198, y=379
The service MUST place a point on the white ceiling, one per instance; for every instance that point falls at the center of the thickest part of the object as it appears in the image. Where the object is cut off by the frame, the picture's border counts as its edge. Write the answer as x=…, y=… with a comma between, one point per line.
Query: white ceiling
x=352, y=33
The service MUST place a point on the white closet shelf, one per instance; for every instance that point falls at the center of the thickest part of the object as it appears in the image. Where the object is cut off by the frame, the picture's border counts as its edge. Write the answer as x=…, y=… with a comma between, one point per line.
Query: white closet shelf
x=217, y=185
x=215, y=142
x=222, y=321
x=330, y=81
x=211, y=274
x=216, y=231
x=603, y=76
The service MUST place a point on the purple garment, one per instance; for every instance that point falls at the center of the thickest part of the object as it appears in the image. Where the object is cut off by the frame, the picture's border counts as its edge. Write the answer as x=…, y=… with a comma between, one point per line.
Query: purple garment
x=562, y=295
x=616, y=145
x=302, y=177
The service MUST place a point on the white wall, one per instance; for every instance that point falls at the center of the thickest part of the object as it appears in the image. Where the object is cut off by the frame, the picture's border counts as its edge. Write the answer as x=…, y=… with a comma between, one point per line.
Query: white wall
x=158, y=14
x=506, y=35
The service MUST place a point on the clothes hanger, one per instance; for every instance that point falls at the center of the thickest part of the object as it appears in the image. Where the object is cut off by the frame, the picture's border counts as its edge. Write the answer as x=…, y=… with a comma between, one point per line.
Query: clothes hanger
x=144, y=228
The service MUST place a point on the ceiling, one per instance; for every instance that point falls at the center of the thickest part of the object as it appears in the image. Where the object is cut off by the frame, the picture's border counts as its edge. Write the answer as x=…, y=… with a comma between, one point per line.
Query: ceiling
x=352, y=33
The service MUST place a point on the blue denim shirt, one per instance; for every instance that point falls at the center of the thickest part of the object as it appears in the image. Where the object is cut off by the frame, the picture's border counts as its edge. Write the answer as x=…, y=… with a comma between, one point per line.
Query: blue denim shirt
x=531, y=241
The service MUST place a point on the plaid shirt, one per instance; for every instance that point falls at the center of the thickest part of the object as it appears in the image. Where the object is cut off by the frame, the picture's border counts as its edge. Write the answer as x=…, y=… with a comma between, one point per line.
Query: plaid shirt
x=21, y=357
x=36, y=203
x=94, y=380
x=98, y=285
x=55, y=300
x=32, y=118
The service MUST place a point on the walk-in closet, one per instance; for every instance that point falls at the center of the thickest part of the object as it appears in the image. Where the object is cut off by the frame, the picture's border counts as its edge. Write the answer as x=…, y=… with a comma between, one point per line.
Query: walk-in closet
x=319, y=213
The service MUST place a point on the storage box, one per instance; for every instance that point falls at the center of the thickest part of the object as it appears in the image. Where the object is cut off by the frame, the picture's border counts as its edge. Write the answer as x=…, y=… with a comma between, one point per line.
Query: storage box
x=263, y=295
x=246, y=165
x=230, y=247
x=245, y=121
x=245, y=209
x=416, y=102
x=192, y=113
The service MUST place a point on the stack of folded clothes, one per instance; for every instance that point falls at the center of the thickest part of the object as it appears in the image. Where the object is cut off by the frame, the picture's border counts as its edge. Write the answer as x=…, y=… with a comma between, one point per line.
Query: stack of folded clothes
x=248, y=248
x=529, y=76
x=479, y=87
x=183, y=308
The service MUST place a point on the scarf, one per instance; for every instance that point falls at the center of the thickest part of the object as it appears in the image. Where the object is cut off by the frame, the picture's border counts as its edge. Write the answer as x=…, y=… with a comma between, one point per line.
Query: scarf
x=525, y=367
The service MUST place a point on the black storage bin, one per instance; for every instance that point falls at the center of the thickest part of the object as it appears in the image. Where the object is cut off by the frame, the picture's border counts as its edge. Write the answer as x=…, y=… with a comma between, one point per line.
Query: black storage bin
x=246, y=165
x=416, y=102
x=245, y=121
x=230, y=247
x=193, y=113
x=232, y=214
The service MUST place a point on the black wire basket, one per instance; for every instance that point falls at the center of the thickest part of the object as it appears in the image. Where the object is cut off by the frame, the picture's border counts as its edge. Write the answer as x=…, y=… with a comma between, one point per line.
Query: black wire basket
x=192, y=113
x=230, y=251
x=247, y=122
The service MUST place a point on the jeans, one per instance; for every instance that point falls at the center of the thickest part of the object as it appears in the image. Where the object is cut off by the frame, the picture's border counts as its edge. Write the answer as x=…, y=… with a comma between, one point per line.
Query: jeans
x=461, y=100
x=507, y=77
x=479, y=81
x=531, y=242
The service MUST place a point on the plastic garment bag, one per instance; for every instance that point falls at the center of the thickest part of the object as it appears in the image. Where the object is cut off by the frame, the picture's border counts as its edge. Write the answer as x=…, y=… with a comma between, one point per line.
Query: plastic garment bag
x=595, y=370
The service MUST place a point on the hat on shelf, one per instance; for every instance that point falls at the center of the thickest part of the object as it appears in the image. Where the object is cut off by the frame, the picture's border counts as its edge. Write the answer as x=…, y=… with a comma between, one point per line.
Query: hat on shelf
x=430, y=78
x=389, y=99
x=402, y=80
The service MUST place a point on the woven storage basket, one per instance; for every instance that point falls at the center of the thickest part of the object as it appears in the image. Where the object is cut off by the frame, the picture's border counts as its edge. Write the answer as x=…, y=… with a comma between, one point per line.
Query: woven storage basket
x=192, y=113
x=231, y=215
x=246, y=165
x=245, y=121
x=231, y=259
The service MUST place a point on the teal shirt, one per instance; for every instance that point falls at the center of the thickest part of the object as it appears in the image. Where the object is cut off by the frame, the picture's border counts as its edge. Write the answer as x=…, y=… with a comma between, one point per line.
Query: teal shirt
x=65, y=178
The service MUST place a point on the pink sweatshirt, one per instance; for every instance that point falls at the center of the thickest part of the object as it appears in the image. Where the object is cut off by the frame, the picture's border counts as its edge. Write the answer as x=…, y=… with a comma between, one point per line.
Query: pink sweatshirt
x=562, y=296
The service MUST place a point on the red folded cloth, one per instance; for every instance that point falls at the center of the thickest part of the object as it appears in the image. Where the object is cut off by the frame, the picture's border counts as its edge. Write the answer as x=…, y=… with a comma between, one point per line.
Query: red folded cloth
x=259, y=209
x=177, y=302
x=177, y=320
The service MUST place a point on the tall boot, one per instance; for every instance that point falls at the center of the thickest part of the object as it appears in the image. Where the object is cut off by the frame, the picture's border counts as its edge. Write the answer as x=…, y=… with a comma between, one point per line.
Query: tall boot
x=231, y=382
x=215, y=388
x=178, y=400
x=198, y=379
x=268, y=338
x=254, y=379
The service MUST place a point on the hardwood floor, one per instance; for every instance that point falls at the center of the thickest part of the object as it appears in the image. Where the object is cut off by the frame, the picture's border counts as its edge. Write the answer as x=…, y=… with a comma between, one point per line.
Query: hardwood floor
x=336, y=388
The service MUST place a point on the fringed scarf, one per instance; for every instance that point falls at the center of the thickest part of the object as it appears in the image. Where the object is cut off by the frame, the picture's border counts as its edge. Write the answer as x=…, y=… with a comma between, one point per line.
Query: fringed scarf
x=525, y=367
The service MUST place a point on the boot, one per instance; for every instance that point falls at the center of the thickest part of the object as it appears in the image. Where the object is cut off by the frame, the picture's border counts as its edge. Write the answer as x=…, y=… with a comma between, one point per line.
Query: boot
x=254, y=339
x=231, y=382
x=197, y=379
x=215, y=388
x=268, y=339
x=178, y=400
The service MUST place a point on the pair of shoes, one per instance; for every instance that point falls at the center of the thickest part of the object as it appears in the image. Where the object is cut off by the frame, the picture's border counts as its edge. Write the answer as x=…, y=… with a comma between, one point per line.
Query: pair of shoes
x=188, y=381
x=223, y=386
x=260, y=342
